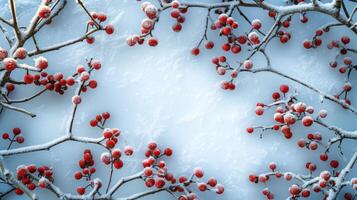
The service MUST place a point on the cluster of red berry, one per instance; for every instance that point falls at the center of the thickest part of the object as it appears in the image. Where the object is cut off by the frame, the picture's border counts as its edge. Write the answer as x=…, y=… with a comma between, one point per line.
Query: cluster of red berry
x=88, y=169
x=324, y=180
x=26, y=174
x=17, y=137
x=84, y=78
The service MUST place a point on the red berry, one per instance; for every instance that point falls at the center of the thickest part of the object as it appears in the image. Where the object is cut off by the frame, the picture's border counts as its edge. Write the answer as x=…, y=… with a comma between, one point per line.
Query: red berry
x=16, y=131
x=307, y=121
x=78, y=175
x=250, y=129
x=345, y=39
x=202, y=186
x=153, y=42
x=168, y=152
x=76, y=99
x=323, y=157
x=128, y=150
x=209, y=45
x=5, y=136
x=44, y=11
x=212, y=182
x=198, y=172
x=28, y=78
x=334, y=163
x=81, y=190
x=195, y=51
x=106, y=115
x=20, y=139
x=18, y=191
x=109, y=29
x=118, y=164
x=20, y=53
x=284, y=88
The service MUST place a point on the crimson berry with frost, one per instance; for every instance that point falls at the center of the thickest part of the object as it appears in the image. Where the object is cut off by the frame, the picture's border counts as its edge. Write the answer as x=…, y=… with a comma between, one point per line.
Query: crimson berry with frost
x=128, y=150
x=76, y=99
x=20, y=53
x=44, y=11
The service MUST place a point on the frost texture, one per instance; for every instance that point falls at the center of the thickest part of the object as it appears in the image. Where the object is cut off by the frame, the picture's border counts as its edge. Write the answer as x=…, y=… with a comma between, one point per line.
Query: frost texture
x=165, y=94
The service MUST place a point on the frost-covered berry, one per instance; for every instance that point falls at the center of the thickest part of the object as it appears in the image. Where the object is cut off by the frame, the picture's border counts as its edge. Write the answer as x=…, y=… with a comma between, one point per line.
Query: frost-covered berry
x=41, y=62
x=76, y=99
x=294, y=190
x=105, y=157
x=175, y=4
x=3, y=53
x=234, y=74
x=347, y=87
x=307, y=121
x=223, y=18
x=301, y=143
x=44, y=11
x=84, y=76
x=96, y=64
x=20, y=53
x=151, y=11
x=323, y=113
x=259, y=110
x=153, y=42
x=130, y=41
x=313, y=145
x=288, y=176
x=9, y=64
x=347, y=61
x=256, y=24
x=254, y=37
x=326, y=175
x=289, y=119
x=147, y=24
x=248, y=64
x=128, y=150
x=300, y=107
x=198, y=172
x=202, y=186
x=310, y=109
x=262, y=178
x=220, y=189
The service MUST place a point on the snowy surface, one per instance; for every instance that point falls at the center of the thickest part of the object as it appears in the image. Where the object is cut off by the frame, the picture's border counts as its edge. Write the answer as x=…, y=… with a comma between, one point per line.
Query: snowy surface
x=167, y=95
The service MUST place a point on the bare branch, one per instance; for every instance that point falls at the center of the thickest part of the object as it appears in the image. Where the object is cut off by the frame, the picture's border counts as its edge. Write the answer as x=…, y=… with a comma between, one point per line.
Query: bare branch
x=21, y=110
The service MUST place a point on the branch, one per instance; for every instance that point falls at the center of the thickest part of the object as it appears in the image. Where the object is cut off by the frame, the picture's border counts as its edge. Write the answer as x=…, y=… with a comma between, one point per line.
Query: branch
x=321, y=93
x=7, y=37
x=61, y=45
x=27, y=98
x=8, y=106
x=14, y=20
x=10, y=178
